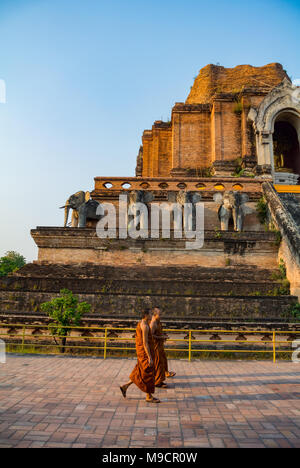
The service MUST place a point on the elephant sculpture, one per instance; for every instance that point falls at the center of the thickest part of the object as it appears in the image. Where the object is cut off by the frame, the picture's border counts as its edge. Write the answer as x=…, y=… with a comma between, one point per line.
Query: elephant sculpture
x=182, y=198
x=139, y=196
x=233, y=206
x=83, y=208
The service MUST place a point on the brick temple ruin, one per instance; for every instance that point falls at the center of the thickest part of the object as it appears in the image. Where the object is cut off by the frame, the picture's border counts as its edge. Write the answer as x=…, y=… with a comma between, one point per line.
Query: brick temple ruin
x=237, y=132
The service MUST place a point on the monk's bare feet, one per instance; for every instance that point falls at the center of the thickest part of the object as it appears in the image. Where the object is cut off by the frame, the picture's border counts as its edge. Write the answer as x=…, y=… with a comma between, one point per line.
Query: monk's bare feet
x=123, y=390
x=170, y=374
x=152, y=400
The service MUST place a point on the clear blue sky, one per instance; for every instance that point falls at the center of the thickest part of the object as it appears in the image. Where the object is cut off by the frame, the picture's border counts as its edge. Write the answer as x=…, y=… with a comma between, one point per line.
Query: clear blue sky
x=85, y=78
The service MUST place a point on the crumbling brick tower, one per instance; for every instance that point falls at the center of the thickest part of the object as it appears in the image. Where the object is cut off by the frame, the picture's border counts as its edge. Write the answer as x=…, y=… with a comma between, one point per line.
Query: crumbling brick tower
x=211, y=129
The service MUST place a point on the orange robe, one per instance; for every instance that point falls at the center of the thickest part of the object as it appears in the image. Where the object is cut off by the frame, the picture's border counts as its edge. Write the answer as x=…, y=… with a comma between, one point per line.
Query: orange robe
x=160, y=358
x=143, y=375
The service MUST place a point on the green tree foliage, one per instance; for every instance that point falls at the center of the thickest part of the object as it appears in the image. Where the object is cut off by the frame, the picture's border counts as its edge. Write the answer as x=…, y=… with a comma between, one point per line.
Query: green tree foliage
x=295, y=311
x=11, y=262
x=66, y=311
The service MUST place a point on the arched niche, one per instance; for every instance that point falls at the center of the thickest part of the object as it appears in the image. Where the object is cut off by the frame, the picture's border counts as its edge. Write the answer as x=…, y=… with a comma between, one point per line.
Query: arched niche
x=286, y=143
x=278, y=117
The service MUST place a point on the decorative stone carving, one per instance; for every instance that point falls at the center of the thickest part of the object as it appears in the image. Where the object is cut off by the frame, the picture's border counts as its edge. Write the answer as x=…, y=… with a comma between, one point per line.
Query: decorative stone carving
x=233, y=206
x=83, y=208
x=134, y=198
x=284, y=98
x=183, y=197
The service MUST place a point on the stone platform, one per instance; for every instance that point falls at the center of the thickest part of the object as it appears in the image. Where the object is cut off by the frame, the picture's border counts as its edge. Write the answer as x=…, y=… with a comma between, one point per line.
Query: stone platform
x=48, y=401
x=230, y=278
x=228, y=293
x=73, y=245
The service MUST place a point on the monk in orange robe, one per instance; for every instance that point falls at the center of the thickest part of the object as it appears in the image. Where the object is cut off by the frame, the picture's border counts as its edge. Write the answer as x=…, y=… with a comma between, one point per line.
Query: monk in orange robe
x=143, y=373
x=159, y=352
x=160, y=358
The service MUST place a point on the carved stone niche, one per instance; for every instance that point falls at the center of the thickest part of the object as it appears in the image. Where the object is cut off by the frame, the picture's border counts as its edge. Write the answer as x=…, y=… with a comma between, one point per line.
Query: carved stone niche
x=282, y=103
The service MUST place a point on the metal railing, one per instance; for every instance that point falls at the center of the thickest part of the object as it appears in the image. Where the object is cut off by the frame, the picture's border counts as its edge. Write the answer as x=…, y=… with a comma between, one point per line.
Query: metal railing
x=272, y=339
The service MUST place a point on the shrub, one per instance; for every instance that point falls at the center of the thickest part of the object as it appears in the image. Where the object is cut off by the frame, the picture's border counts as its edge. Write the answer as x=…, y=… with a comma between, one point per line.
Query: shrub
x=295, y=311
x=262, y=210
x=66, y=311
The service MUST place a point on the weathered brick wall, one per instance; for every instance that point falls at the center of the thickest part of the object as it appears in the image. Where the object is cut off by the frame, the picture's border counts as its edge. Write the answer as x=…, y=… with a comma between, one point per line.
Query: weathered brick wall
x=162, y=141
x=114, y=305
x=198, y=136
x=67, y=246
x=214, y=79
x=226, y=130
x=157, y=150
x=248, y=144
x=182, y=292
x=212, y=125
x=191, y=137
x=147, y=153
x=142, y=280
x=210, y=257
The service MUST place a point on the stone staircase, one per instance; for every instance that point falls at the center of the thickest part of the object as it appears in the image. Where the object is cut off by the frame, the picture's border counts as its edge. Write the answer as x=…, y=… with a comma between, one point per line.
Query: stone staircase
x=291, y=203
x=284, y=210
x=229, y=293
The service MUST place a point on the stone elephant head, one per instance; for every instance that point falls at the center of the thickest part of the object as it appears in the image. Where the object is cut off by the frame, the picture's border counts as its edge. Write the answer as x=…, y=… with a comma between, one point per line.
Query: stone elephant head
x=183, y=197
x=233, y=204
x=136, y=197
x=140, y=196
x=83, y=208
x=186, y=197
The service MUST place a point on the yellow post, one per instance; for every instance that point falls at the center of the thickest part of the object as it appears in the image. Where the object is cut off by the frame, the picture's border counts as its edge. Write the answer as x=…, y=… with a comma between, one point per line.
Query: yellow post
x=190, y=345
x=23, y=338
x=105, y=343
x=274, y=346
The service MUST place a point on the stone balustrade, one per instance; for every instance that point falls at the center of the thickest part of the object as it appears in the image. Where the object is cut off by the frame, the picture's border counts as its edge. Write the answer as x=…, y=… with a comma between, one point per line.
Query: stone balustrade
x=111, y=185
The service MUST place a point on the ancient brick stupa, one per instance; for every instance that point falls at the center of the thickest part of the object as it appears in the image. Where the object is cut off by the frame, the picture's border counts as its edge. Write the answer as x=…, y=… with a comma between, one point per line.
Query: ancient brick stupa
x=233, y=143
x=211, y=130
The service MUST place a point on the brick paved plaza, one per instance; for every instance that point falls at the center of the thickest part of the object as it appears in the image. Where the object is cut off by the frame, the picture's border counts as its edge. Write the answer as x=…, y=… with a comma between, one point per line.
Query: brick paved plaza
x=49, y=401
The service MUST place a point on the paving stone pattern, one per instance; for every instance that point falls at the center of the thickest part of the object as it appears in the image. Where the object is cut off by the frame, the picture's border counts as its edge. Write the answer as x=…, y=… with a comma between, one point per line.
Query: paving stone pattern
x=57, y=401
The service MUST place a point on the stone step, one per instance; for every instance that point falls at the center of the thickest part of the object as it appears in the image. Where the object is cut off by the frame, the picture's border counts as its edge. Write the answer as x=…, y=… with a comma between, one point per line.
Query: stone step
x=232, y=273
x=210, y=285
x=216, y=293
x=226, y=307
